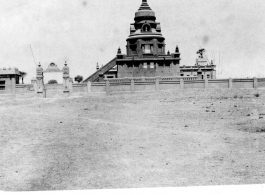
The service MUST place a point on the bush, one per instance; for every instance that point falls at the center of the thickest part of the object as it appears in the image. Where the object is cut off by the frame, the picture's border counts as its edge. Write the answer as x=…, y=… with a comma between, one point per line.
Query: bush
x=256, y=94
x=52, y=82
x=78, y=78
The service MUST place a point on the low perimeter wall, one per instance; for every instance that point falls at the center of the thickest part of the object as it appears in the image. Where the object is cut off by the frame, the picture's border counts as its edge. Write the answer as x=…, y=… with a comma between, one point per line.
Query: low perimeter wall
x=165, y=84
x=150, y=84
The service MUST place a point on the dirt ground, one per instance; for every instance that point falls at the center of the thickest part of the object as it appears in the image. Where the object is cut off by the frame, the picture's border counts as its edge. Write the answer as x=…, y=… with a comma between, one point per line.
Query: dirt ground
x=167, y=139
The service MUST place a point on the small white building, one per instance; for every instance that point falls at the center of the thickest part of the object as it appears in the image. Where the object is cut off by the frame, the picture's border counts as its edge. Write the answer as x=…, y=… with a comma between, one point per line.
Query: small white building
x=53, y=73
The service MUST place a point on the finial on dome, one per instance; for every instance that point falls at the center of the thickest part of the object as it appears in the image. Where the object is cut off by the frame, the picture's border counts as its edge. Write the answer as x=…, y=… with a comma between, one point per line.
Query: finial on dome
x=65, y=63
x=144, y=5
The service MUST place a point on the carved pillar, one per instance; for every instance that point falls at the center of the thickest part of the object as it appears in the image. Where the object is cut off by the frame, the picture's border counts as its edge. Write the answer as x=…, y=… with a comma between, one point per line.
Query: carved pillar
x=40, y=80
x=155, y=52
x=89, y=86
x=108, y=87
x=34, y=83
x=70, y=86
x=13, y=85
x=132, y=85
x=139, y=48
x=66, y=77
x=230, y=83
x=181, y=84
x=255, y=82
x=157, y=83
x=206, y=83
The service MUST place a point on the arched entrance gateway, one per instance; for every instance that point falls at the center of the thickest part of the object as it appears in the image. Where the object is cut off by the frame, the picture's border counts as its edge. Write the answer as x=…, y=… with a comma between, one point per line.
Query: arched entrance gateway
x=53, y=81
x=52, y=73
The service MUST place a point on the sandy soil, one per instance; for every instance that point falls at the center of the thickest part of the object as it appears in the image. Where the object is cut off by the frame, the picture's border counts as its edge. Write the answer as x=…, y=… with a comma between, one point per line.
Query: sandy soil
x=166, y=139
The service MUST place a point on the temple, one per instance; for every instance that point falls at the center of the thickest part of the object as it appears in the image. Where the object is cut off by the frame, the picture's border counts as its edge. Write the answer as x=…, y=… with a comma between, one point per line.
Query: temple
x=146, y=54
x=145, y=49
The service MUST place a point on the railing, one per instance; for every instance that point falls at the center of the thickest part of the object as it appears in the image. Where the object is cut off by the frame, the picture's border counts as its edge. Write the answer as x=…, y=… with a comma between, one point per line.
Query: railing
x=135, y=79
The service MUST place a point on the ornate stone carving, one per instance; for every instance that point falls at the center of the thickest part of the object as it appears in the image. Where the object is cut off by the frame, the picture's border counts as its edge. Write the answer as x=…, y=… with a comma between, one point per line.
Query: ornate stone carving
x=66, y=71
x=39, y=71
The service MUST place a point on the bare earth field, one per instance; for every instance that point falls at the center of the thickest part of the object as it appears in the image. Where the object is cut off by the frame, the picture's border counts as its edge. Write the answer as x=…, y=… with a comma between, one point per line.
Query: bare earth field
x=167, y=139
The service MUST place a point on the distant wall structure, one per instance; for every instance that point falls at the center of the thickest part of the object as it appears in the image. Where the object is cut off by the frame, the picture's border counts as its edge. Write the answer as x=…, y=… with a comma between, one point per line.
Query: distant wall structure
x=137, y=84
x=9, y=77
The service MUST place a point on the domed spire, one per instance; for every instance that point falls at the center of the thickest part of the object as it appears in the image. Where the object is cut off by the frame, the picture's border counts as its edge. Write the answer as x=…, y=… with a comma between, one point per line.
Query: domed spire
x=144, y=6
x=144, y=13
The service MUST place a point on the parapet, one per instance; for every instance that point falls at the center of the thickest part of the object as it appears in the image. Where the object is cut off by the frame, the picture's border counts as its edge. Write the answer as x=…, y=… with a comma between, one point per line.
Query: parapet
x=9, y=71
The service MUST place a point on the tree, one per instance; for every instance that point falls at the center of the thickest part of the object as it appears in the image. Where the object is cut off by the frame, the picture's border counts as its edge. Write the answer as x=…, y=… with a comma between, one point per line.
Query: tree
x=51, y=82
x=79, y=78
x=23, y=75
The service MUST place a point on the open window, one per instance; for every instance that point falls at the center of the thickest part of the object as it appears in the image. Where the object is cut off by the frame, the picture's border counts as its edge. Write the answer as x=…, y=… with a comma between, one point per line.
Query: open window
x=134, y=49
x=146, y=28
x=160, y=48
x=147, y=49
x=2, y=85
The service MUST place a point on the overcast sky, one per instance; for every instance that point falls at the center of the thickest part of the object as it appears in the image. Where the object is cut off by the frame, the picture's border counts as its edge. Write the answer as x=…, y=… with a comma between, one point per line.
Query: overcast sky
x=85, y=32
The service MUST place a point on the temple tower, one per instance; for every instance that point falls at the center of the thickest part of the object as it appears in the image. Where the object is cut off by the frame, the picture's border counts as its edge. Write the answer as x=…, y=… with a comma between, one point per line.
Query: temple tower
x=146, y=56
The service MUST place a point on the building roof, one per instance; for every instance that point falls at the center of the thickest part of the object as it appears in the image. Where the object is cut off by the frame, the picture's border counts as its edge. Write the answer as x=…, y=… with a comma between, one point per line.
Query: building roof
x=53, y=68
x=9, y=71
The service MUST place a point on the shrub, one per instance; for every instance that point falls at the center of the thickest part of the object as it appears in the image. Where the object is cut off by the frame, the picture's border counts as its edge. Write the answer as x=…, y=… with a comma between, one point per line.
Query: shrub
x=78, y=78
x=52, y=82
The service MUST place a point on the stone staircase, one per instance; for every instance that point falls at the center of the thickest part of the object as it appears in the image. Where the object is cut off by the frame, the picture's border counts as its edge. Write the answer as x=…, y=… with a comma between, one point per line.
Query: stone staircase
x=94, y=77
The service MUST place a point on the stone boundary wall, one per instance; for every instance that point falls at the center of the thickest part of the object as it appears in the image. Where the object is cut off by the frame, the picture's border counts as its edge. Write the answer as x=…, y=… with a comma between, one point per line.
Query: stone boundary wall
x=157, y=84
x=19, y=88
x=24, y=88
x=149, y=84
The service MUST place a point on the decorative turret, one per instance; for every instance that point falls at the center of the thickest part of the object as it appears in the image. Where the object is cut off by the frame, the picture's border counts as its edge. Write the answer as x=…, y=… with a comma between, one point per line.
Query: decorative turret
x=119, y=51
x=177, y=49
x=119, y=54
x=176, y=54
